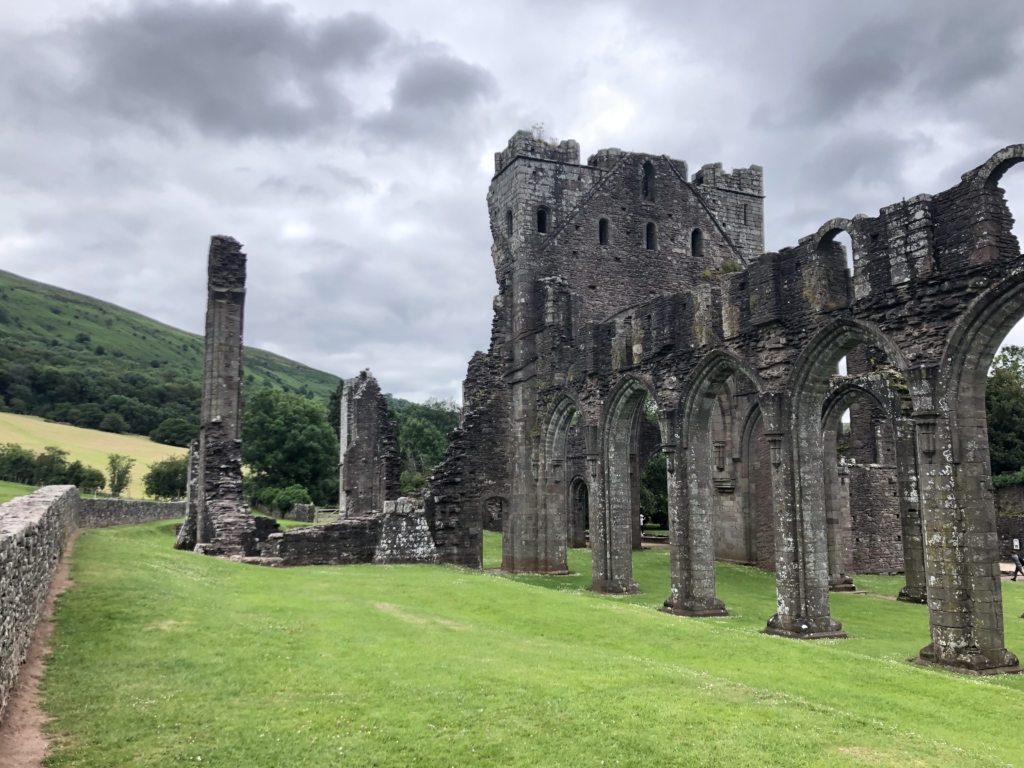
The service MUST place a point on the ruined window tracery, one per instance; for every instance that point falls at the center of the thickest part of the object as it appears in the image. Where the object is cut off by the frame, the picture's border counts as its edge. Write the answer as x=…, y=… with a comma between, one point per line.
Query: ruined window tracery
x=697, y=243
x=602, y=232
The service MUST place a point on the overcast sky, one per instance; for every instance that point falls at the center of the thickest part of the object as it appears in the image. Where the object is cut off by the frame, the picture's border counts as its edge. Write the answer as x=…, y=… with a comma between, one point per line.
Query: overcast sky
x=349, y=146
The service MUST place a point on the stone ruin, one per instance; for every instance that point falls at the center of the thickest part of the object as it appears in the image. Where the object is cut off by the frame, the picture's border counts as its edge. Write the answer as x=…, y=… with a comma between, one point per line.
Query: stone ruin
x=637, y=312
x=373, y=524
x=369, y=468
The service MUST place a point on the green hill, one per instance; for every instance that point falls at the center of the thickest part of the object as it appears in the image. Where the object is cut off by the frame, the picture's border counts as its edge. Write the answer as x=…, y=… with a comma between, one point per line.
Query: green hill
x=75, y=359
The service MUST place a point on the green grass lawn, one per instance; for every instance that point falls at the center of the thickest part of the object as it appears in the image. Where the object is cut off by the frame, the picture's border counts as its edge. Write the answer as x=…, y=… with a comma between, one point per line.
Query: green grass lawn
x=9, y=491
x=164, y=657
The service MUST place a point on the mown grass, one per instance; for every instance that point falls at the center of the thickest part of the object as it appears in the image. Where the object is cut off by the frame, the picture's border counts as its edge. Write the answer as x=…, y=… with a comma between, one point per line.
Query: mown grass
x=90, y=446
x=10, y=491
x=163, y=657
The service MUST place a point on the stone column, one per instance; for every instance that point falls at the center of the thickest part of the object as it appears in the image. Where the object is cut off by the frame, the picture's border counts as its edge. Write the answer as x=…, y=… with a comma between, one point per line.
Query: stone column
x=801, y=547
x=224, y=524
x=961, y=551
x=910, y=513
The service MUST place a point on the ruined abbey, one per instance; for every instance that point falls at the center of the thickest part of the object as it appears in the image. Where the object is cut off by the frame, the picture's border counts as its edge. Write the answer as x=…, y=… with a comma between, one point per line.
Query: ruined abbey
x=629, y=288
x=637, y=313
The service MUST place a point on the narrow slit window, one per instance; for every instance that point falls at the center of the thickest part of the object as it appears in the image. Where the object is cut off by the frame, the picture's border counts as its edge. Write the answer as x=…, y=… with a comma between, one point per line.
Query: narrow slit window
x=746, y=215
x=542, y=220
x=508, y=223
x=697, y=243
x=652, y=236
x=602, y=231
x=647, y=186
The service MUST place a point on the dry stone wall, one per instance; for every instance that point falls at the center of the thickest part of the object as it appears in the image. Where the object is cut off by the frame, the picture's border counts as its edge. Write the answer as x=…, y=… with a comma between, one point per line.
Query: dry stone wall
x=33, y=531
x=101, y=513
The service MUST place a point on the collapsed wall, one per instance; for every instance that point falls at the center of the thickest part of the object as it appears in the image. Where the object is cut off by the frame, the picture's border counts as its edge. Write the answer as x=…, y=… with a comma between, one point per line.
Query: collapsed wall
x=399, y=536
x=369, y=467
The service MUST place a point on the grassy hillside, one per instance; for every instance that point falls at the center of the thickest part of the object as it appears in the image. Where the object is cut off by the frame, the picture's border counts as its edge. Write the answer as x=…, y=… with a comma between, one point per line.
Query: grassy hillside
x=165, y=658
x=89, y=446
x=9, y=491
x=48, y=326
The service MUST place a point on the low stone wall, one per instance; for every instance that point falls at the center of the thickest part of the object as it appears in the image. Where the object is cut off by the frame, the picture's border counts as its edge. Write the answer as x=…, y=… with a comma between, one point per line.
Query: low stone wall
x=1010, y=521
x=33, y=531
x=349, y=541
x=303, y=513
x=102, y=513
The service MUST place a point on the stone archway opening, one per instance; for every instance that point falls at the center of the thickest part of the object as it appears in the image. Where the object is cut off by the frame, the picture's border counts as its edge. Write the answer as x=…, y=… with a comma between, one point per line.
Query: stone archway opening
x=579, y=513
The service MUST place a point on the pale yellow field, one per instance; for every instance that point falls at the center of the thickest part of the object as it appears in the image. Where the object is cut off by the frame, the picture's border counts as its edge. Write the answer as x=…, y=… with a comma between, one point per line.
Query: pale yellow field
x=89, y=446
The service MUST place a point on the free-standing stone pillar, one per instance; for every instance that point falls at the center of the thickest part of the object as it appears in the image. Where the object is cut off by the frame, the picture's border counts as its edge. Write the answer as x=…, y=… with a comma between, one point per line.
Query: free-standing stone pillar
x=369, y=466
x=224, y=524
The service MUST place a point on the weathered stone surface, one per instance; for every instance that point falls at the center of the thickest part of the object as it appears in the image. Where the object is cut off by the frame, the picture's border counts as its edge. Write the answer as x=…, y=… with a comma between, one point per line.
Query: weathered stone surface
x=369, y=470
x=188, y=532
x=303, y=513
x=33, y=530
x=625, y=281
x=405, y=535
x=224, y=525
x=100, y=513
x=346, y=542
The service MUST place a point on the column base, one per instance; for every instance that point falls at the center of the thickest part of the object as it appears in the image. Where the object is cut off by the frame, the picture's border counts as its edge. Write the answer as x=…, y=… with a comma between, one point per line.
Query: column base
x=964, y=670
x=916, y=595
x=970, y=663
x=615, y=588
x=522, y=572
x=841, y=583
x=821, y=628
x=696, y=607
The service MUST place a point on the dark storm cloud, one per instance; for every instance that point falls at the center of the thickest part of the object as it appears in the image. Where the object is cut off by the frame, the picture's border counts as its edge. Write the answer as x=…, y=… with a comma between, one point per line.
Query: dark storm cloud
x=237, y=70
x=431, y=96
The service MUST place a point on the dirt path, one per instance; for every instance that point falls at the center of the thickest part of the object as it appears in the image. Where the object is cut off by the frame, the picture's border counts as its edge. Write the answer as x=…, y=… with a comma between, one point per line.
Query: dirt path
x=22, y=743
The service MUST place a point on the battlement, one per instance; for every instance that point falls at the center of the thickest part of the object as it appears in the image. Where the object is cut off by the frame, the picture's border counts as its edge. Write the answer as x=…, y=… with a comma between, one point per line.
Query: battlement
x=525, y=144
x=747, y=180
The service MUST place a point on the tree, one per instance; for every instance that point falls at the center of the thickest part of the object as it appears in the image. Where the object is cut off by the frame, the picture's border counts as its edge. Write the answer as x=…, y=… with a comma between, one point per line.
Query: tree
x=119, y=473
x=175, y=431
x=1004, y=404
x=422, y=433
x=286, y=440
x=168, y=478
x=114, y=422
x=654, y=491
x=51, y=467
x=17, y=464
x=288, y=497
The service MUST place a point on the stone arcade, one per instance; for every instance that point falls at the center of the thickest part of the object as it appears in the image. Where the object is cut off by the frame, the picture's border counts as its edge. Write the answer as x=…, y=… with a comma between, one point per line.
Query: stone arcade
x=628, y=286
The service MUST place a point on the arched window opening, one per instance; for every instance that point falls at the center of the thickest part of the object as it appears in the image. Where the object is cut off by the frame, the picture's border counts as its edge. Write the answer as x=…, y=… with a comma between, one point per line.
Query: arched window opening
x=542, y=220
x=697, y=243
x=1011, y=181
x=508, y=222
x=652, y=236
x=844, y=420
x=602, y=231
x=841, y=367
x=844, y=240
x=647, y=187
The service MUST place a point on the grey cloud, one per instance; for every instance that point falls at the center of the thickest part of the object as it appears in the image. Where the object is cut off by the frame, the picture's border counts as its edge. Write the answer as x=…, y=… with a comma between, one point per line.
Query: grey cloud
x=235, y=70
x=431, y=96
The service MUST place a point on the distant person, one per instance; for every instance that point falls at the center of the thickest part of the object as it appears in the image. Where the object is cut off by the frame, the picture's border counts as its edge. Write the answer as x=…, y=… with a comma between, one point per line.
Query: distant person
x=642, y=518
x=1017, y=566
